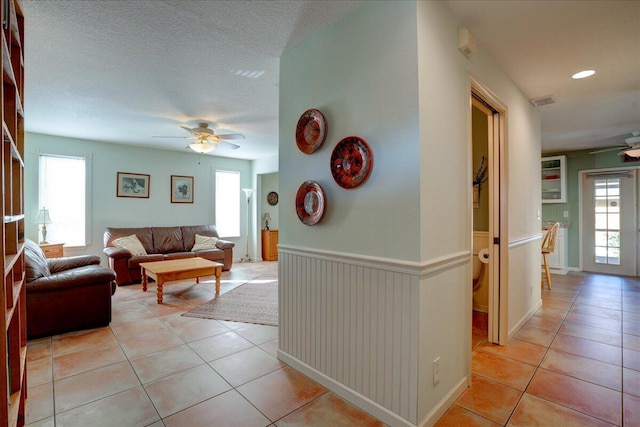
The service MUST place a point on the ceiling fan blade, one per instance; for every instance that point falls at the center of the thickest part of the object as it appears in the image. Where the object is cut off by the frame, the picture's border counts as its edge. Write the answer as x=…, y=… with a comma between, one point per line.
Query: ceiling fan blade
x=230, y=145
x=182, y=137
x=231, y=136
x=605, y=150
x=191, y=131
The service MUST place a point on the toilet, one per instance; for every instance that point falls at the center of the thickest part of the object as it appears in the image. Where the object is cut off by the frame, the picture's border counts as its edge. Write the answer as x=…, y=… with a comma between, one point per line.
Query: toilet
x=480, y=271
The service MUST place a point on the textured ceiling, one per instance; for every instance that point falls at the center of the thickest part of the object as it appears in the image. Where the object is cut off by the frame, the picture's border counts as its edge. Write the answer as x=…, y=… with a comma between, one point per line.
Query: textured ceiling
x=124, y=71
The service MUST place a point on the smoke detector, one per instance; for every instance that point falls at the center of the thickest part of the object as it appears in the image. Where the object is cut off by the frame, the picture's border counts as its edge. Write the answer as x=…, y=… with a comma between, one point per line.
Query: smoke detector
x=545, y=100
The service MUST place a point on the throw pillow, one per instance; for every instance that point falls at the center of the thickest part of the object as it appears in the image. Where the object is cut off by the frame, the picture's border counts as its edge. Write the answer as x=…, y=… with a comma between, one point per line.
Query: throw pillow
x=204, y=242
x=130, y=243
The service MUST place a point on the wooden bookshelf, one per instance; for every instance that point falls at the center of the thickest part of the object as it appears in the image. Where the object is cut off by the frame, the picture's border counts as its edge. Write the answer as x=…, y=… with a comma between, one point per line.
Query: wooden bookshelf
x=13, y=374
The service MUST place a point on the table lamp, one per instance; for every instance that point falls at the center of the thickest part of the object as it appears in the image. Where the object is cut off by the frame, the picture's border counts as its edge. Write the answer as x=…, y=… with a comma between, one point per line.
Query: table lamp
x=266, y=218
x=44, y=219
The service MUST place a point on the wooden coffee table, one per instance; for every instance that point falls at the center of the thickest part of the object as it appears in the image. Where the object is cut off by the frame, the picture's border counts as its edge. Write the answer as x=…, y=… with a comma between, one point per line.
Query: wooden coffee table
x=178, y=269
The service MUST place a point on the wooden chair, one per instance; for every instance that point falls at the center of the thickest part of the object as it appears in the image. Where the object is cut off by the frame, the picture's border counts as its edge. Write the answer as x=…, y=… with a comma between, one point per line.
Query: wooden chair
x=548, y=247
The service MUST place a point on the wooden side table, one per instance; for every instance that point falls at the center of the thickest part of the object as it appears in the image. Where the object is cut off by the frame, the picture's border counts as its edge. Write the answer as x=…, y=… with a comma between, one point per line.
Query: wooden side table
x=269, y=245
x=52, y=250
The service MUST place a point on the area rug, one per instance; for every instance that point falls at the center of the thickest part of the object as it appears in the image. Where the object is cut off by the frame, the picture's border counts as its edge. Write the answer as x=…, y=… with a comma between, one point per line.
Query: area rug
x=253, y=302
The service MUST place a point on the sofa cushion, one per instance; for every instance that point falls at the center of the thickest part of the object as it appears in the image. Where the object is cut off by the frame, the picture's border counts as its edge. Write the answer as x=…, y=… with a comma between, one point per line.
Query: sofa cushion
x=167, y=240
x=189, y=233
x=143, y=234
x=216, y=255
x=204, y=242
x=134, y=261
x=178, y=255
x=36, y=263
x=130, y=243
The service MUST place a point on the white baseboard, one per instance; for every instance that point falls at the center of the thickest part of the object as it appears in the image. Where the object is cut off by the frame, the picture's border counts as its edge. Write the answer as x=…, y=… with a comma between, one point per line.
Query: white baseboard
x=524, y=319
x=438, y=411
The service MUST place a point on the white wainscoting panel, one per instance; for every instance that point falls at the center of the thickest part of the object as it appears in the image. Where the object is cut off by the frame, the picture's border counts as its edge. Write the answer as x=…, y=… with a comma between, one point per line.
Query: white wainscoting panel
x=354, y=323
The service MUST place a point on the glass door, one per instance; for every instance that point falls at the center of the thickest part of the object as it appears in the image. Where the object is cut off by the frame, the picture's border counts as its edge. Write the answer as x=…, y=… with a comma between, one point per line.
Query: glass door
x=609, y=218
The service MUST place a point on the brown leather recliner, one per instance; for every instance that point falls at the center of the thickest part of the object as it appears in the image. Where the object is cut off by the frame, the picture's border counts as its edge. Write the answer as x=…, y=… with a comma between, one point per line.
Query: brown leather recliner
x=66, y=294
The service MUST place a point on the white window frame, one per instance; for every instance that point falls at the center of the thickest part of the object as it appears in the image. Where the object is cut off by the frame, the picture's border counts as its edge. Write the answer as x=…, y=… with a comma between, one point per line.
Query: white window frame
x=88, y=161
x=238, y=232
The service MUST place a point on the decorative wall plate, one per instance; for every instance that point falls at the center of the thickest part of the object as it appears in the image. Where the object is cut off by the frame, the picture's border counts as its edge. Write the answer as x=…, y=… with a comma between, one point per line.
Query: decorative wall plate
x=311, y=131
x=272, y=198
x=351, y=162
x=310, y=201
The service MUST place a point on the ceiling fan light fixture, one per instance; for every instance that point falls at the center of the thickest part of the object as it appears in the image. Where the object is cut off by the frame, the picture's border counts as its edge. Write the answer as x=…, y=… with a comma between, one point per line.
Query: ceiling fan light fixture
x=633, y=151
x=202, y=147
x=583, y=74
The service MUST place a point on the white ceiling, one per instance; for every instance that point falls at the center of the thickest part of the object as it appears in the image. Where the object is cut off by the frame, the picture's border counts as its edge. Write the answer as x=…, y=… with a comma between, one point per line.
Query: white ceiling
x=124, y=72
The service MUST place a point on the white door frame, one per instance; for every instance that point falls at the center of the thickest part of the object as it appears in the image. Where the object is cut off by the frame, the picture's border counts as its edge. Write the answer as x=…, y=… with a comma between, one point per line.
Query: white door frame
x=498, y=332
x=581, y=213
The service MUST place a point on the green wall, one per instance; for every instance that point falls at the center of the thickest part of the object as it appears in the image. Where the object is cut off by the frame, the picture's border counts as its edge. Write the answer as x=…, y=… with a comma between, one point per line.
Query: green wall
x=576, y=162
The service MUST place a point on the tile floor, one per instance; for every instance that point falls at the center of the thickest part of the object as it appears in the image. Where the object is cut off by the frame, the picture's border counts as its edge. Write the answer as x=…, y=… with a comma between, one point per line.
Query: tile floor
x=576, y=362
x=154, y=367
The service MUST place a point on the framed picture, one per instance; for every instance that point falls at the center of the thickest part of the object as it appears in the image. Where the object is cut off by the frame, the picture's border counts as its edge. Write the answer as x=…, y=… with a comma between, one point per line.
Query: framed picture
x=181, y=189
x=272, y=198
x=133, y=185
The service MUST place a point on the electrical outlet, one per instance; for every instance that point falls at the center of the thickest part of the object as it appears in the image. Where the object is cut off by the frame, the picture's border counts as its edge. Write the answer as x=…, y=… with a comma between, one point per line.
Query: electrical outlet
x=436, y=370
x=565, y=214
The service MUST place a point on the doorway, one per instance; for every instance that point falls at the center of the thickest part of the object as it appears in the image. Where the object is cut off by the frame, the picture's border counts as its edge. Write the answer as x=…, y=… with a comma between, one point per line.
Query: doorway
x=488, y=117
x=609, y=221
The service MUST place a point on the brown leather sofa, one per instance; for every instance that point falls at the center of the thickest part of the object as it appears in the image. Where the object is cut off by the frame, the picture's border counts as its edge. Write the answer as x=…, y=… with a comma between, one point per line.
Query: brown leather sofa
x=66, y=294
x=161, y=244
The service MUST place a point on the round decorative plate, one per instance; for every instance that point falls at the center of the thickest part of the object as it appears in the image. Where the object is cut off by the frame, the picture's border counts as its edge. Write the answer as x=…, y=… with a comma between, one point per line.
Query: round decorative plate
x=351, y=162
x=311, y=131
x=272, y=198
x=310, y=201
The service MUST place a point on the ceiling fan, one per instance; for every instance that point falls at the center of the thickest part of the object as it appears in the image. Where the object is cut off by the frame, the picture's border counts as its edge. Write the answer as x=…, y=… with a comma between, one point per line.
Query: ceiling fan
x=205, y=139
x=632, y=147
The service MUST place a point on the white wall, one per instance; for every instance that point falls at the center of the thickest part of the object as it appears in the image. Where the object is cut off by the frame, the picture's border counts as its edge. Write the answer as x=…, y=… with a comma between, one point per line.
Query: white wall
x=391, y=73
x=109, y=210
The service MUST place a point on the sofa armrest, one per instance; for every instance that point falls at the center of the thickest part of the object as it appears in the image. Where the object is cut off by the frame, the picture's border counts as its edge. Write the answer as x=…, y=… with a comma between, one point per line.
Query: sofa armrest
x=224, y=244
x=115, y=253
x=82, y=276
x=57, y=265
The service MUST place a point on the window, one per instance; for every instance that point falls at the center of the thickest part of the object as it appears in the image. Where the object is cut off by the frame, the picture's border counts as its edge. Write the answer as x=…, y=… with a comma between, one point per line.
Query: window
x=64, y=191
x=227, y=203
x=607, y=221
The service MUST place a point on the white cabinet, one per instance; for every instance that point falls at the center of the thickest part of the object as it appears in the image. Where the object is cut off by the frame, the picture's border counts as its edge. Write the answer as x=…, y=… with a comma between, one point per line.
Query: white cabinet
x=558, y=260
x=554, y=179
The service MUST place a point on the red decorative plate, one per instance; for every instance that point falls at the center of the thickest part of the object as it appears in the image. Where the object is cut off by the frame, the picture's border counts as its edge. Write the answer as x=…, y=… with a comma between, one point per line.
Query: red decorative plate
x=311, y=131
x=351, y=162
x=310, y=202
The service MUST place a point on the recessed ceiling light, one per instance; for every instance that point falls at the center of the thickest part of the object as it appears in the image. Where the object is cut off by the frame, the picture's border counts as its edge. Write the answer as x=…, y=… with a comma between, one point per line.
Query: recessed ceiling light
x=583, y=74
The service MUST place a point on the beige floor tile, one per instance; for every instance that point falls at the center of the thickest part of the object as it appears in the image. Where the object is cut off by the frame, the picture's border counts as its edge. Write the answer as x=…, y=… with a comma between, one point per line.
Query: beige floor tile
x=329, y=410
x=281, y=392
x=84, y=360
x=591, y=370
x=90, y=386
x=218, y=346
x=245, y=365
x=184, y=389
x=157, y=365
x=490, y=399
x=228, y=409
x=535, y=412
x=128, y=408
x=457, y=416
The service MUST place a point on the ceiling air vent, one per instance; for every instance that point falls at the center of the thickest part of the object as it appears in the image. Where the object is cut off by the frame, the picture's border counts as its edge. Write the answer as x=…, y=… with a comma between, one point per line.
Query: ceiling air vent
x=545, y=100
